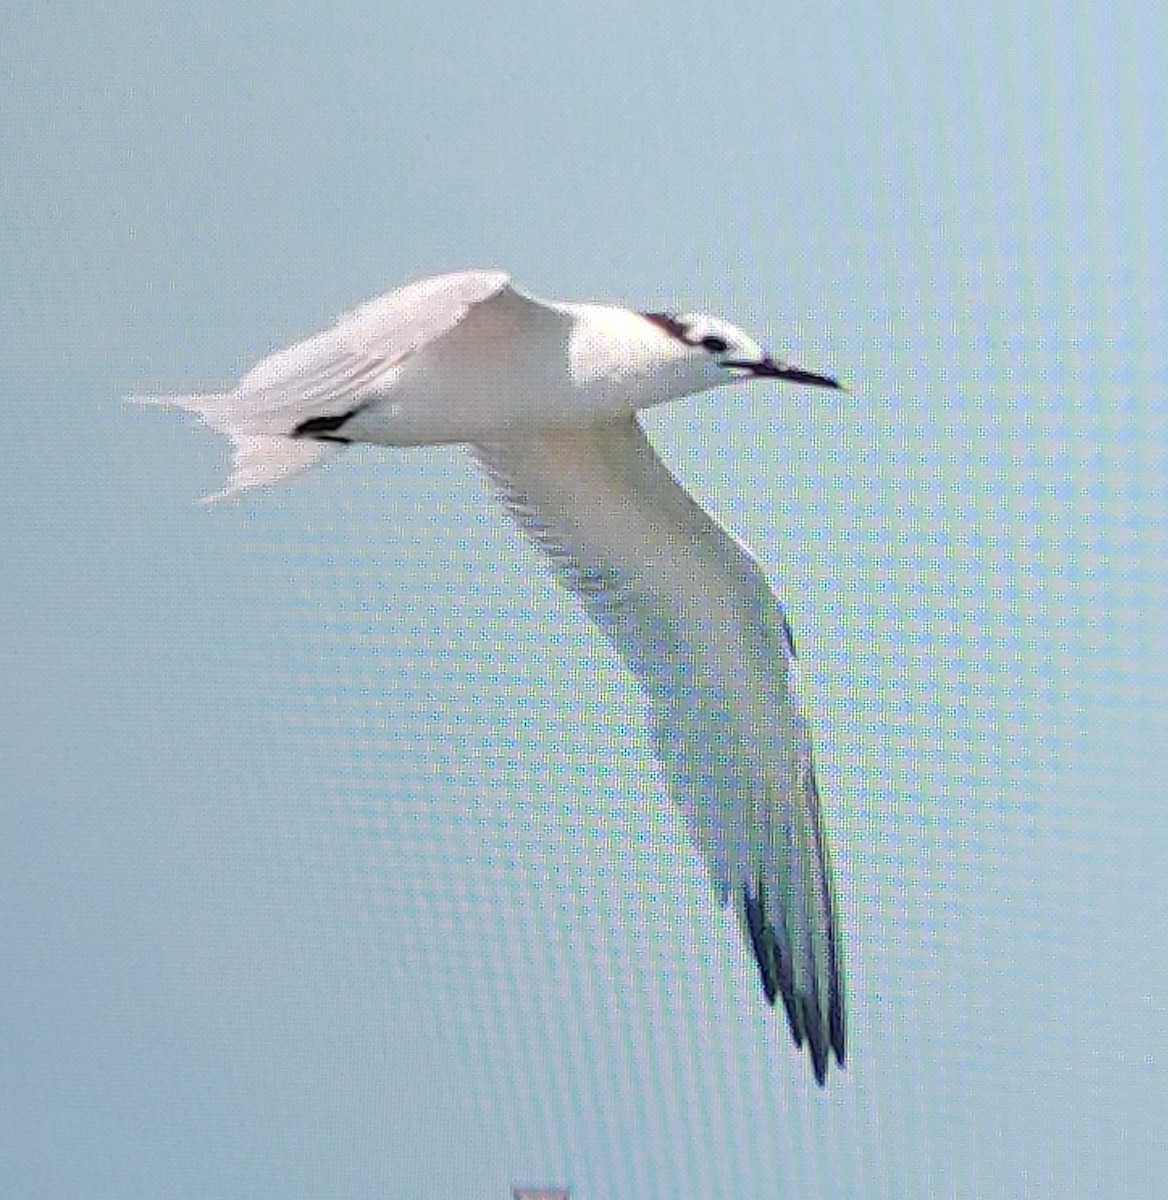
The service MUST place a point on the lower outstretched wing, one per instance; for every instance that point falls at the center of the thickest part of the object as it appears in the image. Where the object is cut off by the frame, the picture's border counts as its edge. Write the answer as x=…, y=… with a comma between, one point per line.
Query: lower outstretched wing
x=697, y=623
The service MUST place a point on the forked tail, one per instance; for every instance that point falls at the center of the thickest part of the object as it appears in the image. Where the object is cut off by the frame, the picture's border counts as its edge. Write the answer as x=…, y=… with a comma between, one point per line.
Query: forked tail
x=257, y=458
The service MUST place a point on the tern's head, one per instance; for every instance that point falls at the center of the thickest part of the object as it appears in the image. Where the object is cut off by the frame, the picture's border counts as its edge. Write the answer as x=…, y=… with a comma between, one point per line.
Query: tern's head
x=722, y=353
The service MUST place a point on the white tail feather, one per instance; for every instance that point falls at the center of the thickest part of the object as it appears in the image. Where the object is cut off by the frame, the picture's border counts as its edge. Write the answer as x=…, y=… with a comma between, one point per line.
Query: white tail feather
x=264, y=458
x=211, y=406
x=258, y=459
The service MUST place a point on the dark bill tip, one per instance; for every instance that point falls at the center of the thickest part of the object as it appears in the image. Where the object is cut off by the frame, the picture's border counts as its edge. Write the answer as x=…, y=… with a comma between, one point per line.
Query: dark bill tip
x=797, y=376
x=769, y=369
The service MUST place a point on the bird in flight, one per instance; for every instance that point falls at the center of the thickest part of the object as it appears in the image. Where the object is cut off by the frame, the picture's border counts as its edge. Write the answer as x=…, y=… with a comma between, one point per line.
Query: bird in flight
x=545, y=396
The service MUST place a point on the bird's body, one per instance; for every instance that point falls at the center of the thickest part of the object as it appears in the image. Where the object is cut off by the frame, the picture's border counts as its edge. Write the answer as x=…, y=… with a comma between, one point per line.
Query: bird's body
x=545, y=396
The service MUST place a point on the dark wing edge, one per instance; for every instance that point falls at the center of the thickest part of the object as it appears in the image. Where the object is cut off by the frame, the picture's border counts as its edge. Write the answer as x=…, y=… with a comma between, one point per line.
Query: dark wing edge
x=558, y=488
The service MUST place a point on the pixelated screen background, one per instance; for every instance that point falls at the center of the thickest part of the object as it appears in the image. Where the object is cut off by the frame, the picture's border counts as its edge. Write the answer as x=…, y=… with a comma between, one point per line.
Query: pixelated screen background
x=333, y=857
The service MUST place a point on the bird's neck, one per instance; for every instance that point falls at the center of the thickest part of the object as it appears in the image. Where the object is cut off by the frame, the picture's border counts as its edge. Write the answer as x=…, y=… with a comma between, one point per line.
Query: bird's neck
x=624, y=361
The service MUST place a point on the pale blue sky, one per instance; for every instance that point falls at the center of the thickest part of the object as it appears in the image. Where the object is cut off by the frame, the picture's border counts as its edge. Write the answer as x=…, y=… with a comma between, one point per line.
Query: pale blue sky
x=332, y=857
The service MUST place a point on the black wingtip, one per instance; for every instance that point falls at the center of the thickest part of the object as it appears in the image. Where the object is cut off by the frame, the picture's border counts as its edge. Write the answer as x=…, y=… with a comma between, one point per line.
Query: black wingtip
x=819, y=1066
x=816, y=1041
x=774, y=973
x=804, y=1018
x=836, y=1030
x=756, y=927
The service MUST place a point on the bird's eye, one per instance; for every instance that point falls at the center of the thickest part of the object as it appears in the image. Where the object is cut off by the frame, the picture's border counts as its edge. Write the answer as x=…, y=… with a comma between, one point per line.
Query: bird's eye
x=715, y=345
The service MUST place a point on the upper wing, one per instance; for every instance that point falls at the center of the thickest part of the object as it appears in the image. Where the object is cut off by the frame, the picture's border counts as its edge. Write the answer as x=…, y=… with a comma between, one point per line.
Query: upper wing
x=277, y=411
x=695, y=620
x=323, y=376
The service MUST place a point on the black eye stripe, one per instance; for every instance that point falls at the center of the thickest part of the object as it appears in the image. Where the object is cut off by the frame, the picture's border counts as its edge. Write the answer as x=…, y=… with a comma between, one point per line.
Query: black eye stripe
x=677, y=328
x=669, y=323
